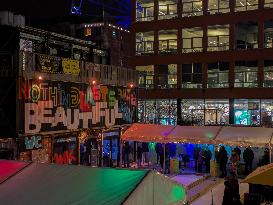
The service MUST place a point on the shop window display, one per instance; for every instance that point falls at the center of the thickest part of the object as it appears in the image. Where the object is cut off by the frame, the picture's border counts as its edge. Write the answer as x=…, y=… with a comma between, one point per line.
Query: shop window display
x=247, y=112
x=267, y=112
x=192, y=111
x=216, y=112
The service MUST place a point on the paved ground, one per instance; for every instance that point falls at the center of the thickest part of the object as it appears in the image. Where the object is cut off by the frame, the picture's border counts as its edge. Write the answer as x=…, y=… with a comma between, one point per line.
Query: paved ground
x=218, y=192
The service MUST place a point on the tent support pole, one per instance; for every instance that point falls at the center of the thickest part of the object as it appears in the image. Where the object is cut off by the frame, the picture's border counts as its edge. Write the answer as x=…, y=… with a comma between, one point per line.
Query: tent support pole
x=164, y=158
x=120, y=154
x=270, y=149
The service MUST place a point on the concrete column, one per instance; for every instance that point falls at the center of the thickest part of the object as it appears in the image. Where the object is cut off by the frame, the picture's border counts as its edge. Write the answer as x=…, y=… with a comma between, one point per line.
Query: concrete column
x=231, y=74
x=260, y=73
x=261, y=34
x=232, y=44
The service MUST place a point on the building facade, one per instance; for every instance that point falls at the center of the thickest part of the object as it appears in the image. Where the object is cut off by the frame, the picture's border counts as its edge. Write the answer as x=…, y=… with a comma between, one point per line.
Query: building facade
x=56, y=104
x=204, y=62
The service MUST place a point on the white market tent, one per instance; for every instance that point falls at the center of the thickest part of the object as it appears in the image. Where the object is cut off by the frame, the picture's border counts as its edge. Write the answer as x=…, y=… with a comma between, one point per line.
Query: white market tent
x=35, y=183
x=245, y=136
x=228, y=135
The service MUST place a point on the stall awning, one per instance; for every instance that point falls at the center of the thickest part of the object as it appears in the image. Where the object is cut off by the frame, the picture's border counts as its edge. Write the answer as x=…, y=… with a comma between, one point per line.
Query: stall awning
x=147, y=133
x=194, y=134
x=245, y=136
x=228, y=135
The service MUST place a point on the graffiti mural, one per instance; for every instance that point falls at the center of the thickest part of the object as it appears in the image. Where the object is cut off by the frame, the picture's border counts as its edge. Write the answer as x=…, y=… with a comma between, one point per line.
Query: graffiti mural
x=52, y=105
x=65, y=150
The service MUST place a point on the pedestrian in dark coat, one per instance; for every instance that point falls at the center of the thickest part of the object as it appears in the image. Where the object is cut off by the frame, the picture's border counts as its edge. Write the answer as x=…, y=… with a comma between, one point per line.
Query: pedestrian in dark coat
x=139, y=155
x=248, y=156
x=223, y=158
x=228, y=194
x=127, y=151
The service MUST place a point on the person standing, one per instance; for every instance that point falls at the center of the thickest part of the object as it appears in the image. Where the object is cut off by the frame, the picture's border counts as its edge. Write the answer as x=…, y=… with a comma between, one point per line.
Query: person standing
x=127, y=151
x=234, y=159
x=238, y=151
x=139, y=155
x=228, y=194
x=207, y=155
x=195, y=156
x=145, y=152
x=248, y=156
x=223, y=158
x=200, y=161
x=158, y=150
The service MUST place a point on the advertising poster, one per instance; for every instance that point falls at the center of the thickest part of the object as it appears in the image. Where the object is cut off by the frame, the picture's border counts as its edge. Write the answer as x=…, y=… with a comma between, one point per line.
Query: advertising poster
x=71, y=66
x=47, y=64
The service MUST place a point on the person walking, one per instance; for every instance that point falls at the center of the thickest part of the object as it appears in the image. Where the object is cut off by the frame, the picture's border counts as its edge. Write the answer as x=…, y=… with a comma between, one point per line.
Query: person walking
x=248, y=156
x=223, y=158
x=139, y=155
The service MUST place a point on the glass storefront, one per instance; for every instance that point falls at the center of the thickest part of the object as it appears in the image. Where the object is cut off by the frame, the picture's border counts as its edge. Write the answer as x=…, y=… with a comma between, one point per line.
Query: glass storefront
x=245, y=112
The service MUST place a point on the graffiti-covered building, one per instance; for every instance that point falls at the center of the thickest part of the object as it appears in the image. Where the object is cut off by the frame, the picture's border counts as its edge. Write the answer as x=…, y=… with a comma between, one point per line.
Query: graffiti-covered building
x=58, y=106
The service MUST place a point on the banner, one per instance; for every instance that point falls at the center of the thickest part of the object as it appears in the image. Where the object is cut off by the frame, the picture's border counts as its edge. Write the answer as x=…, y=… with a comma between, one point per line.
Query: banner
x=47, y=64
x=71, y=66
x=55, y=105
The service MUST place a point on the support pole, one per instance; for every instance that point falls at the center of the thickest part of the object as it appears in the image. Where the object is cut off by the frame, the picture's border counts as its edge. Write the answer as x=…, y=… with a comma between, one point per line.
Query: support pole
x=164, y=158
x=120, y=155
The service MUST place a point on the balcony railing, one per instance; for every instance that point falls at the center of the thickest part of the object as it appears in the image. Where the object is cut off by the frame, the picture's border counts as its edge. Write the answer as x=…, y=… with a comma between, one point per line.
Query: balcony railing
x=144, y=47
x=55, y=68
x=192, y=45
x=213, y=9
x=218, y=43
x=167, y=46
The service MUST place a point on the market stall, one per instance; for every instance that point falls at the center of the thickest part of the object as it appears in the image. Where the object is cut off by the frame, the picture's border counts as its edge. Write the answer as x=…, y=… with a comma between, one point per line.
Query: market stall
x=62, y=184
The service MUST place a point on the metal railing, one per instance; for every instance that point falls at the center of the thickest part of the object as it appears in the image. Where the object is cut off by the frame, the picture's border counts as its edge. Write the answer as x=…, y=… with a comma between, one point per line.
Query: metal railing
x=218, y=9
x=164, y=81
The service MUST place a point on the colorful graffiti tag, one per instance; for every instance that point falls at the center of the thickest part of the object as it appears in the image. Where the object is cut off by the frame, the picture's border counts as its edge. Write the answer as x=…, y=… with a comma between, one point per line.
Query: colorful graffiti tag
x=55, y=106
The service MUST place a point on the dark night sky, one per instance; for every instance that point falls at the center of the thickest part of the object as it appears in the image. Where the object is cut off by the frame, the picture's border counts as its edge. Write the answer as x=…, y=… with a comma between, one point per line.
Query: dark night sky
x=40, y=9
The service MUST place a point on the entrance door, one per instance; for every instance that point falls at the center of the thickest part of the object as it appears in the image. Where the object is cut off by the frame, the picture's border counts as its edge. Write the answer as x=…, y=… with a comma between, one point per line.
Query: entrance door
x=111, y=151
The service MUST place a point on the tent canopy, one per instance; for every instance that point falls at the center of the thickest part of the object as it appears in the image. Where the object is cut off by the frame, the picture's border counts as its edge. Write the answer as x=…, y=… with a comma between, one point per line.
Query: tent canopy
x=229, y=135
x=147, y=133
x=73, y=184
x=194, y=134
x=245, y=136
